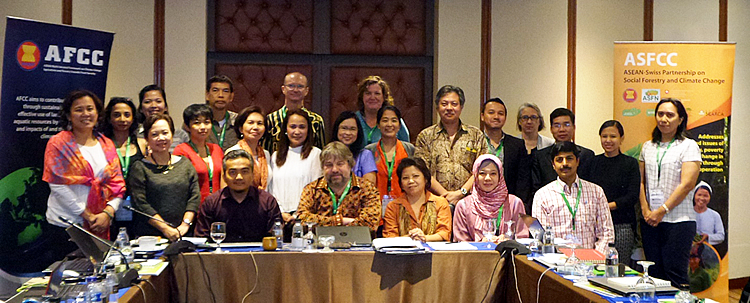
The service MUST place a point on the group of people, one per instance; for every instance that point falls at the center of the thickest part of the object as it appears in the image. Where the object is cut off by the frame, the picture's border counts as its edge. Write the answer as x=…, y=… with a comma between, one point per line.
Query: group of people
x=251, y=169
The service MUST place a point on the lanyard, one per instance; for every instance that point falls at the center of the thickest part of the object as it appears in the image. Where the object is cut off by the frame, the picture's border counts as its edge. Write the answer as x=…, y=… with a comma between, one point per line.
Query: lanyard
x=343, y=195
x=369, y=134
x=389, y=164
x=124, y=160
x=498, y=151
x=220, y=138
x=570, y=209
x=209, y=166
x=500, y=216
x=659, y=159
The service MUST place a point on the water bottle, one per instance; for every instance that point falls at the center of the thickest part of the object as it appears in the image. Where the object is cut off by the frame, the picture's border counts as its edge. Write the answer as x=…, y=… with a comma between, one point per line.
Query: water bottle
x=110, y=283
x=123, y=244
x=278, y=232
x=548, y=241
x=612, y=262
x=95, y=292
x=297, y=241
x=684, y=295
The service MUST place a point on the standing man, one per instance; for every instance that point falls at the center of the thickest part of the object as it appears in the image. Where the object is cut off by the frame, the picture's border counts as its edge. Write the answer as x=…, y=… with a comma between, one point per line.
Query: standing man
x=510, y=150
x=563, y=128
x=339, y=197
x=294, y=89
x=219, y=94
x=249, y=212
x=571, y=205
x=450, y=147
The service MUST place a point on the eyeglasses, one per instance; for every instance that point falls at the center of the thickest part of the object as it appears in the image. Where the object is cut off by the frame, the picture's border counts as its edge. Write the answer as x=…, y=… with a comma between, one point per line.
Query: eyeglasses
x=295, y=86
x=560, y=125
x=527, y=118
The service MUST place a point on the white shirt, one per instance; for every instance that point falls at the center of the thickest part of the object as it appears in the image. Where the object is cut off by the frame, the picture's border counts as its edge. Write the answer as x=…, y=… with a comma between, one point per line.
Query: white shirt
x=70, y=201
x=679, y=152
x=289, y=180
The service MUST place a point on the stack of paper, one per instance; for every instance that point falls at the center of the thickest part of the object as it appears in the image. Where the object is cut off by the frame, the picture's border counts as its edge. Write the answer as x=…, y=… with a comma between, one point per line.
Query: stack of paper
x=399, y=245
x=630, y=282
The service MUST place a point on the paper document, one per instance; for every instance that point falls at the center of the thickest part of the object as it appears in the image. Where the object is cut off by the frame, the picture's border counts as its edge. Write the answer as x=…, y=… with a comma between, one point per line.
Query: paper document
x=452, y=246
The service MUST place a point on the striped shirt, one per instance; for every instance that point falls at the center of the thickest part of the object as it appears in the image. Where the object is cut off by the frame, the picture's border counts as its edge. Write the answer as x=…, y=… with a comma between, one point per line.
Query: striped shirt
x=274, y=131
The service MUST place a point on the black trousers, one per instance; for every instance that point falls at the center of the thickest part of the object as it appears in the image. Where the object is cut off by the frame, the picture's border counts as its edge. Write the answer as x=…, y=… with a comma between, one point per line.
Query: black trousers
x=668, y=246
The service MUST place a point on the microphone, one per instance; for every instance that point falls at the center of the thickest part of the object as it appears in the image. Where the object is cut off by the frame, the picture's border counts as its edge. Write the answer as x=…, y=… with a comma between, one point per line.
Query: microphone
x=176, y=247
x=126, y=277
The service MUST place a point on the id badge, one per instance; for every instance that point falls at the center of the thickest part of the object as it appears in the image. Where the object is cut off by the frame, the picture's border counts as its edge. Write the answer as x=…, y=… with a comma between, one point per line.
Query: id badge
x=656, y=198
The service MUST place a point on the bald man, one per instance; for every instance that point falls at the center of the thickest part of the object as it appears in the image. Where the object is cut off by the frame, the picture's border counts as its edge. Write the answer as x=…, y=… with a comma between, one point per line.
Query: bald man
x=295, y=90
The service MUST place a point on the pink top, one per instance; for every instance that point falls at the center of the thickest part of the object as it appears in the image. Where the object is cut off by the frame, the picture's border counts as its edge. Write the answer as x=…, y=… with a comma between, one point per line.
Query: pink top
x=465, y=216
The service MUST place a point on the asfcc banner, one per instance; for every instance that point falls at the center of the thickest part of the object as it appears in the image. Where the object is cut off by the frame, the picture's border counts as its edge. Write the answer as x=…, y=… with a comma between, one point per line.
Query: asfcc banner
x=41, y=64
x=700, y=75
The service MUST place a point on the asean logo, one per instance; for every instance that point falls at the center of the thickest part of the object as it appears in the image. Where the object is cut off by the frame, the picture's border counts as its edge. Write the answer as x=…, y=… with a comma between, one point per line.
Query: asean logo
x=630, y=95
x=27, y=55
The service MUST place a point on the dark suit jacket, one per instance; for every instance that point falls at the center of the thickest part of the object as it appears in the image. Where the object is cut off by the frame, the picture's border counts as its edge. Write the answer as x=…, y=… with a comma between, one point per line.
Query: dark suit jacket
x=514, y=150
x=543, y=173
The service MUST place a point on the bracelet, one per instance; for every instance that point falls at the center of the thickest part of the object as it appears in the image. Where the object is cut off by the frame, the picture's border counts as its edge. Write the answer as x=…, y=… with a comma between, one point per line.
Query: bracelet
x=666, y=209
x=108, y=214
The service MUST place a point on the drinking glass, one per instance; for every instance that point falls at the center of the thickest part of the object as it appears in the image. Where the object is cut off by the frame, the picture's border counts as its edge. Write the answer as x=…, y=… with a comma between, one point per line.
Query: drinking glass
x=646, y=287
x=510, y=234
x=326, y=240
x=489, y=229
x=535, y=246
x=309, y=236
x=218, y=234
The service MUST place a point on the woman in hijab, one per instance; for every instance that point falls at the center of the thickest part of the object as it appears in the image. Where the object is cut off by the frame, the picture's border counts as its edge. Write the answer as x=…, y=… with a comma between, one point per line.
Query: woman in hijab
x=489, y=199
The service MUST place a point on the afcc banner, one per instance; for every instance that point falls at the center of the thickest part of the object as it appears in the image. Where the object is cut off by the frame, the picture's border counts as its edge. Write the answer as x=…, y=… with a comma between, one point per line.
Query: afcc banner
x=700, y=75
x=41, y=64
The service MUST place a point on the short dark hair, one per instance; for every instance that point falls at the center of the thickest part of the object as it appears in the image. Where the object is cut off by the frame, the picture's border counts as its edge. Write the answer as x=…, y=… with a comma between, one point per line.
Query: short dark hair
x=220, y=79
x=143, y=92
x=563, y=147
x=610, y=123
x=156, y=117
x=370, y=80
x=195, y=111
x=67, y=105
x=242, y=118
x=495, y=100
x=392, y=108
x=235, y=154
x=681, y=112
x=560, y=112
x=447, y=89
x=107, y=128
x=420, y=165
x=356, y=146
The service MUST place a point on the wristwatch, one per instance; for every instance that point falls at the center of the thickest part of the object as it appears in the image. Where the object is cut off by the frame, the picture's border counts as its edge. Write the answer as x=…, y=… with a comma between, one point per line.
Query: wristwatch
x=464, y=191
x=186, y=221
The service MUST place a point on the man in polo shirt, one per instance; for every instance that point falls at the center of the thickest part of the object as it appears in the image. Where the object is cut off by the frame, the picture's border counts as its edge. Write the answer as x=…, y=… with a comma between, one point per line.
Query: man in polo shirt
x=572, y=206
x=219, y=94
x=339, y=197
x=249, y=212
x=295, y=90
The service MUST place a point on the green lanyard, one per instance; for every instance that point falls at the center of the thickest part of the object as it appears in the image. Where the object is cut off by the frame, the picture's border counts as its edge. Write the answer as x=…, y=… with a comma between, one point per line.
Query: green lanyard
x=369, y=134
x=208, y=166
x=220, y=138
x=578, y=200
x=283, y=112
x=124, y=160
x=499, y=150
x=500, y=217
x=659, y=159
x=389, y=164
x=343, y=195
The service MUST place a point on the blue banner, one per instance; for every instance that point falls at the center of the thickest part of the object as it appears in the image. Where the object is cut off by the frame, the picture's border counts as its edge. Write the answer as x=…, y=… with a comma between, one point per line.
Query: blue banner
x=42, y=63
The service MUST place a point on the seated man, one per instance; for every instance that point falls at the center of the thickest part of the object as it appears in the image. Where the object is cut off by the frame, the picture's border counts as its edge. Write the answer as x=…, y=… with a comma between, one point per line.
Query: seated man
x=339, y=197
x=571, y=205
x=249, y=212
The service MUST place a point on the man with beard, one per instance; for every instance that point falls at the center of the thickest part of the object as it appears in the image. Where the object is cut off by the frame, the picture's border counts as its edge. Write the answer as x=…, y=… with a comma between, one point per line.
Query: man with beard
x=572, y=206
x=339, y=197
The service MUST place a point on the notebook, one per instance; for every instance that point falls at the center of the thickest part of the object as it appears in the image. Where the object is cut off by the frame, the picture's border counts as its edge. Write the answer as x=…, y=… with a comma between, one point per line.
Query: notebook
x=585, y=254
x=625, y=286
x=357, y=236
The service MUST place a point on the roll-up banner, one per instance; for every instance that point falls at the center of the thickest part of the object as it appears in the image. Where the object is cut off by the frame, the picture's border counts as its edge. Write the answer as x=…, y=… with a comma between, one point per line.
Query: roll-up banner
x=700, y=75
x=42, y=63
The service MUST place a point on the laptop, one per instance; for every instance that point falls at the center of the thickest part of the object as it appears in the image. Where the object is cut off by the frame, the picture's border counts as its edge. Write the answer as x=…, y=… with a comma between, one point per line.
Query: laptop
x=56, y=286
x=356, y=236
x=90, y=247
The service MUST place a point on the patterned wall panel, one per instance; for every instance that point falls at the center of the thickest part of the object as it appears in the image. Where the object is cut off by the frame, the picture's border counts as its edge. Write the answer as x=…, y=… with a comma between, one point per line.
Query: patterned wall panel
x=407, y=87
x=260, y=85
x=264, y=26
x=387, y=27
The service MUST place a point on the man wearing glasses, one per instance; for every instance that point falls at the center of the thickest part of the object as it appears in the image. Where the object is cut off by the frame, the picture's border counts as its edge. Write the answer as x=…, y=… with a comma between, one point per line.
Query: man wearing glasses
x=563, y=128
x=295, y=90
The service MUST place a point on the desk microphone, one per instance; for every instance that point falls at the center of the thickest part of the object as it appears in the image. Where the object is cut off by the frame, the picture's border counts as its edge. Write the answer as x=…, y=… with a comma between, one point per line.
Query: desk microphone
x=175, y=248
x=126, y=277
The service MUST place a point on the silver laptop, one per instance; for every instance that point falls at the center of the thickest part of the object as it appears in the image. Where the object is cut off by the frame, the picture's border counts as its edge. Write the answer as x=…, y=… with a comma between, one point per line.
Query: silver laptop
x=356, y=236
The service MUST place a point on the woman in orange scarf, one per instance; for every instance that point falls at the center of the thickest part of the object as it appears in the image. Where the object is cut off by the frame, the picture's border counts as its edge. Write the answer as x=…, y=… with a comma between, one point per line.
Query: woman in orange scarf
x=388, y=152
x=250, y=127
x=83, y=171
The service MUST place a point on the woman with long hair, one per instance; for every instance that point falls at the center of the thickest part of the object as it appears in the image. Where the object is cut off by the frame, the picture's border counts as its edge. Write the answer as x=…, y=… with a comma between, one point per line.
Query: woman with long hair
x=348, y=130
x=206, y=157
x=295, y=163
x=250, y=127
x=670, y=163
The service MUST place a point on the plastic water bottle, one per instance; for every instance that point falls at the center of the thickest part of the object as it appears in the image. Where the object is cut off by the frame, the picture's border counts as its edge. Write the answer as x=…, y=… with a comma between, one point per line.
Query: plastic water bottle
x=95, y=292
x=278, y=232
x=123, y=244
x=110, y=283
x=612, y=261
x=297, y=241
x=548, y=241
